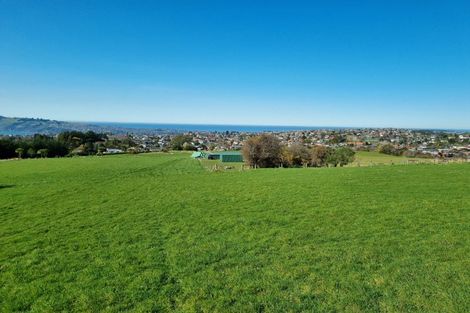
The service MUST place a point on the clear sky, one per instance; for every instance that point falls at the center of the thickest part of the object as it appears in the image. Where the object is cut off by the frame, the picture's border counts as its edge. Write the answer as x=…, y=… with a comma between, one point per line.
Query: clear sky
x=316, y=63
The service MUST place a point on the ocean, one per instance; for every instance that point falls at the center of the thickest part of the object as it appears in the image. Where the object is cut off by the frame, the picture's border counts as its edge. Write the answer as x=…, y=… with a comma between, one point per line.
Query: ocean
x=210, y=127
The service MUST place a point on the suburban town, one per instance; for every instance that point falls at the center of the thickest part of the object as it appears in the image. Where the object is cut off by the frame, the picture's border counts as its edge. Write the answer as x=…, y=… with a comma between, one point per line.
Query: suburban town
x=422, y=143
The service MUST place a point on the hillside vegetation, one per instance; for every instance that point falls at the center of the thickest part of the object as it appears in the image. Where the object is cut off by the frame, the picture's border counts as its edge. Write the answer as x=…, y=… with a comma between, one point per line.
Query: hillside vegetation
x=30, y=126
x=158, y=232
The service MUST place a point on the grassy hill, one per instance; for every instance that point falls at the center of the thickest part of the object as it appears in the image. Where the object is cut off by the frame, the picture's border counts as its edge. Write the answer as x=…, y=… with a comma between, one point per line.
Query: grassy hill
x=29, y=126
x=160, y=233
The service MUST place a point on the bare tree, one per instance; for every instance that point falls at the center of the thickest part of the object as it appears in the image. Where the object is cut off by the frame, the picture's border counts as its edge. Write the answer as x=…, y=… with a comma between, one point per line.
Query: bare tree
x=320, y=155
x=263, y=151
x=298, y=155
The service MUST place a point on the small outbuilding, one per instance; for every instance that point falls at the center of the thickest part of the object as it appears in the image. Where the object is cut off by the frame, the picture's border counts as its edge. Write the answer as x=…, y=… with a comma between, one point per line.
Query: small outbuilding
x=198, y=155
x=226, y=156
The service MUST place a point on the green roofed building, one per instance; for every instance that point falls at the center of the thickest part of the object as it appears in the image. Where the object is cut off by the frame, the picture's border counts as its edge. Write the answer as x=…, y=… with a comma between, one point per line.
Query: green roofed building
x=226, y=156
x=231, y=157
x=223, y=156
x=198, y=155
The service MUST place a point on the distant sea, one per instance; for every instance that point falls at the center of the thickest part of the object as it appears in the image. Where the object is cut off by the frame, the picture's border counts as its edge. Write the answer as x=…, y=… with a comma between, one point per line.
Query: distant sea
x=209, y=127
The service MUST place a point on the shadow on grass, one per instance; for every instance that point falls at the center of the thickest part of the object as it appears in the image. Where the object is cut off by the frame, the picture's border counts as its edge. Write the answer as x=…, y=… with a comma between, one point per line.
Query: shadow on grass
x=6, y=186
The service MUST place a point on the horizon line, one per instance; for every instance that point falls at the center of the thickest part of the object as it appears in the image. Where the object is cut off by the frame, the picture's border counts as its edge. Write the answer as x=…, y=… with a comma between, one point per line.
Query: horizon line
x=274, y=125
x=248, y=125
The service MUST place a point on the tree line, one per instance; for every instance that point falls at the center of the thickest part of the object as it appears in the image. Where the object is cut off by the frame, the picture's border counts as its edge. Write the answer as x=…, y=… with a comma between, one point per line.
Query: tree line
x=267, y=151
x=68, y=143
x=396, y=151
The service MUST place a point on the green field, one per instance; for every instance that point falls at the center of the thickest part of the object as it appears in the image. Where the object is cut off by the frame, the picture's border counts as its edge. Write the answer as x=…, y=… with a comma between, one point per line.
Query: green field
x=362, y=158
x=217, y=165
x=160, y=233
x=371, y=158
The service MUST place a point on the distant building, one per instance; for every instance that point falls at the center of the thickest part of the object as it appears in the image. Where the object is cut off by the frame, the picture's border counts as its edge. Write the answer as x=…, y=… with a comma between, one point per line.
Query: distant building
x=198, y=155
x=226, y=156
x=113, y=151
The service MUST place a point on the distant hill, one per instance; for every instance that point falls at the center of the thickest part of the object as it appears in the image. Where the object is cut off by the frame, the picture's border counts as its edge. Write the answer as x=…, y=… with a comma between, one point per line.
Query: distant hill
x=29, y=126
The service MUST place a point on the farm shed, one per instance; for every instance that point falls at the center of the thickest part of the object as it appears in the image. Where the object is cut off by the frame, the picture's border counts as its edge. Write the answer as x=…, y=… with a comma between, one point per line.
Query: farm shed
x=226, y=156
x=213, y=156
x=231, y=157
x=198, y=155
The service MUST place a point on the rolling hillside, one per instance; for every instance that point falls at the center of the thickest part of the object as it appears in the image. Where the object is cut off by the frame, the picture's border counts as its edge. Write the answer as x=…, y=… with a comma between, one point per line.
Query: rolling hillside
x=30, y=126
x=158, y=232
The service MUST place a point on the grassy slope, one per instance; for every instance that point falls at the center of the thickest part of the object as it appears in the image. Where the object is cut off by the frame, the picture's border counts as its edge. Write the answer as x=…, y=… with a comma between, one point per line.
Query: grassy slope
x=158, y=232
x=362, y=158
x=366, y=158
x=6, y=122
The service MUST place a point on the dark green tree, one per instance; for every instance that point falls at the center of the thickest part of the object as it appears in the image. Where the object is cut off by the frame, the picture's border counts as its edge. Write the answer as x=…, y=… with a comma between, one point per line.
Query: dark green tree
x=19, y=151
x=344, y=155
x=43, y=152
x=31, y=153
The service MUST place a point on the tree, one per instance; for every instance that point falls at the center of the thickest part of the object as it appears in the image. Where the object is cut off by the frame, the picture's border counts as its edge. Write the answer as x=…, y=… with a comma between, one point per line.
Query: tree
x=188, y=147
x=43, y=152
x=80, y=150
x=89, y=147
x=332, y=159
x=319, y=156
x=65, y=143
x=340, y=156
x=389, y=149
x=101, y=149
x=178, y=141
x=31, y=153
x=132, y=150
x=338, y=138
x=298, y=155
x=263, y=151
x=7, y=148
x=19, y=151
x=345, y=155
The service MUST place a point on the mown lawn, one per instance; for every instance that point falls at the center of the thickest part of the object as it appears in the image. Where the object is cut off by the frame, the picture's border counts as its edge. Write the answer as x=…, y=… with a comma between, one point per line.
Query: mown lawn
x=160, y=233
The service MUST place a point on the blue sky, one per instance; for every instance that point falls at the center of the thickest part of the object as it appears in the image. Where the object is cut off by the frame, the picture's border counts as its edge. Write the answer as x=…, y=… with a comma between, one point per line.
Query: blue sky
x=320, y=63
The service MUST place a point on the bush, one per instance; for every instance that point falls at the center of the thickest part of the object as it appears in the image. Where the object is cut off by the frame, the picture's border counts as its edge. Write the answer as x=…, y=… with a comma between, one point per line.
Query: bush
x=267, y=151
x=188, y=147
x=390, y=150
x=341, y=156
x=319, y=156
x=298, y=155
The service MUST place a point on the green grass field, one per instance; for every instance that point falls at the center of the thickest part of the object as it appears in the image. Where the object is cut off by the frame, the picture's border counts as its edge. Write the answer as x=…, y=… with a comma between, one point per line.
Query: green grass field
x=371, y=158
x=160, y=233
x=362, y=158
x=217, y=165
